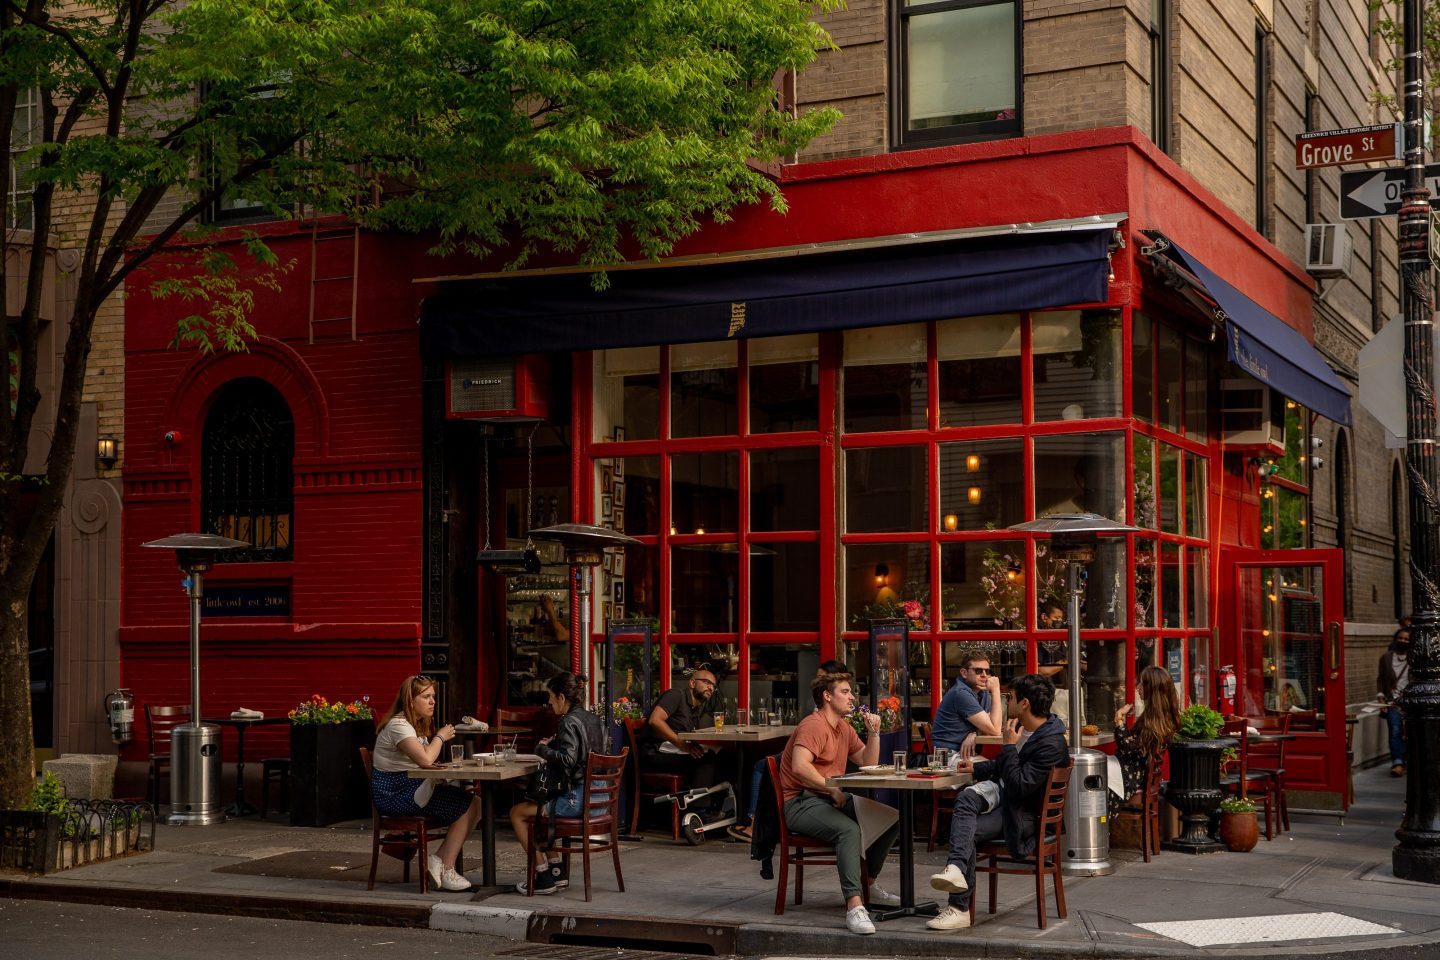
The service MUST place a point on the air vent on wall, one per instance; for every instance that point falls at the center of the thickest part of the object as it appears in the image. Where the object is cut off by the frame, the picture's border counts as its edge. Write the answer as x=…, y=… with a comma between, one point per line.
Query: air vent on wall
x=497, y=388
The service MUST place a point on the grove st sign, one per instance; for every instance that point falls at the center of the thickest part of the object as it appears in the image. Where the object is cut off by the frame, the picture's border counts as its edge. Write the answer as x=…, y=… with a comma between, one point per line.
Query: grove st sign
x=1331, y=148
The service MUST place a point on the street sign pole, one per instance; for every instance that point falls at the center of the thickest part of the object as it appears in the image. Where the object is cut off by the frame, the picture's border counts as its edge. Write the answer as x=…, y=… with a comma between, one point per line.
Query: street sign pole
x=1417, y=855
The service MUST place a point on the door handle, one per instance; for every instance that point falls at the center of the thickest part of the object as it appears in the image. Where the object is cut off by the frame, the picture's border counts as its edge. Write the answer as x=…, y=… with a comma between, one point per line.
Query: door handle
x=1334, y=649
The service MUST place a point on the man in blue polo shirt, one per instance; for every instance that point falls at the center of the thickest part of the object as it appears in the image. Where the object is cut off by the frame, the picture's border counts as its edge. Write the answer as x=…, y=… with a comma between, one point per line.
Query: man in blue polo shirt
x=971, y=706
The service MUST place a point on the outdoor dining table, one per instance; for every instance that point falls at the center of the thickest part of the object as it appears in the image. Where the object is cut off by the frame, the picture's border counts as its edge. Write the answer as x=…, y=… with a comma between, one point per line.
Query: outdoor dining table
x=473, y=771
x=241, y=808
x=908, y=784
x=474, y=736
x=740, y=734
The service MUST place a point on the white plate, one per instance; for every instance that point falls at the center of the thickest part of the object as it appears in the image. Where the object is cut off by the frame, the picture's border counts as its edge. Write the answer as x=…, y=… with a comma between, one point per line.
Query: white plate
x=879, y=770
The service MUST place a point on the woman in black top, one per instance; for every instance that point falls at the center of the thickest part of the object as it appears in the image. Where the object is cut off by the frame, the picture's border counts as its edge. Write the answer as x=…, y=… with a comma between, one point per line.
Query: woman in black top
x=1154, y=728
x=565, y=756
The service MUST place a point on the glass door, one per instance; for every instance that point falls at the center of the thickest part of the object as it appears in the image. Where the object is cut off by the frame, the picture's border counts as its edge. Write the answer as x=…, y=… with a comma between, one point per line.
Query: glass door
x=1287, y=650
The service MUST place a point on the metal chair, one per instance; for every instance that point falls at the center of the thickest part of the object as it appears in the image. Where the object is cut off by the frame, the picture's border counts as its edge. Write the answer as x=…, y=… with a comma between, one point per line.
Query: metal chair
x=799, y=849
x=649, y=785
x=160, y=724
x=1147, y=814
x=1049, y=827
x=402, y=837
x=597, y=827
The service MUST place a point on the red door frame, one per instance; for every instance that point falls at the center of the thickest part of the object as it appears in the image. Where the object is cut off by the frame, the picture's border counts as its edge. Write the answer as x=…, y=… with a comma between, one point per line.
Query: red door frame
x=1314, y=761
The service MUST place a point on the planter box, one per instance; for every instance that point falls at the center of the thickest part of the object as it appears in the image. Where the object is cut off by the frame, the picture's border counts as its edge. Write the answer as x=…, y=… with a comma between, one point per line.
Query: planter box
x=35, y=842
x=327, y=779
x=1194, y=790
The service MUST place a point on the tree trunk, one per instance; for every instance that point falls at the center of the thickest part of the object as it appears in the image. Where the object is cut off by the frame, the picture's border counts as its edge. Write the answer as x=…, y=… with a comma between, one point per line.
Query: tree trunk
x=17, y=745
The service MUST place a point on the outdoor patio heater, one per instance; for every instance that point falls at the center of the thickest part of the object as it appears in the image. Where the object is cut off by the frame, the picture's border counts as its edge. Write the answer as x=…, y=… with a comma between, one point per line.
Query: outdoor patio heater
x=195, y=746
x=1073, y=538
x=584, y=546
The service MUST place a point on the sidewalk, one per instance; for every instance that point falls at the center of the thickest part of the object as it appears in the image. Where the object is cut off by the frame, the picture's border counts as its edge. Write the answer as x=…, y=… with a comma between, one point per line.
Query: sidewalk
x=1326, y=888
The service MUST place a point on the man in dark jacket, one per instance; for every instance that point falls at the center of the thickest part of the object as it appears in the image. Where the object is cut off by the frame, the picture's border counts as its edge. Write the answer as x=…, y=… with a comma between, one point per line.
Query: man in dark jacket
x=1006, y=795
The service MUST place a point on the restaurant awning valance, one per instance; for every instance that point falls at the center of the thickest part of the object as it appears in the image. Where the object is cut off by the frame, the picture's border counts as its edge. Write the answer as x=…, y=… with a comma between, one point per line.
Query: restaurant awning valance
x=770, y=296
x=1264, y=346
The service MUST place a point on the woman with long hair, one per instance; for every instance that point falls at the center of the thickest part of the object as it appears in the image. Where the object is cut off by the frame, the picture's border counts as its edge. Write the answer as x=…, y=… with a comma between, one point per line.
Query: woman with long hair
x=1154, y=728
x=409, y=741
x=566, y=755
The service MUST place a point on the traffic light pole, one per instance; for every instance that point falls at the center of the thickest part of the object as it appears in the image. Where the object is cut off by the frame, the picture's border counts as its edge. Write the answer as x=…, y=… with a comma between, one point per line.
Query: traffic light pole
x=1417, y=855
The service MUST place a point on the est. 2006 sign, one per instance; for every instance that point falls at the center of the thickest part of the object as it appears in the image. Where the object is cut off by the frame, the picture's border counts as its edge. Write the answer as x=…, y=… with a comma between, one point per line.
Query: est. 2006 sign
x=1332, y=148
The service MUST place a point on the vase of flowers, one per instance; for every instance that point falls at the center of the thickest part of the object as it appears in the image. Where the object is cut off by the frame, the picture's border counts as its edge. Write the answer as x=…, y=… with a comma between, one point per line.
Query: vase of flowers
x=912, y=604
x=327, y=778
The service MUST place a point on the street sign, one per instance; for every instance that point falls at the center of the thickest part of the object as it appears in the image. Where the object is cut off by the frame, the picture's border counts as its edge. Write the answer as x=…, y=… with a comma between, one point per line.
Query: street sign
x=1376, y=193
x=1331, y=148
x=1382, y=379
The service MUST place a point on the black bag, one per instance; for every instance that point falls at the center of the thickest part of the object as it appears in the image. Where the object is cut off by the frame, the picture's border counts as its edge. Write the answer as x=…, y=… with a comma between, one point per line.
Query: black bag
x=543, y=786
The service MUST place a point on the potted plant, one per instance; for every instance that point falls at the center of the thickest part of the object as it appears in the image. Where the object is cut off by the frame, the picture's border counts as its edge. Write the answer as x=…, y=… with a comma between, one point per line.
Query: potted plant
x=1194, y=787
x=1238, y=827
x=327, y=779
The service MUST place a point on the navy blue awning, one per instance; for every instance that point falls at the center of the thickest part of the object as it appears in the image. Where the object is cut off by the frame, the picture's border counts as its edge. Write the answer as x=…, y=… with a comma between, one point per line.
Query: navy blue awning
x=904, y=283
x=1268, y=348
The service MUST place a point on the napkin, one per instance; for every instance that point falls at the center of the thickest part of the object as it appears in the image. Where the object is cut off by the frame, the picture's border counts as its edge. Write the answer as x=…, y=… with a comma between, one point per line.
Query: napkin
x=1252, y=730
x=245, y=713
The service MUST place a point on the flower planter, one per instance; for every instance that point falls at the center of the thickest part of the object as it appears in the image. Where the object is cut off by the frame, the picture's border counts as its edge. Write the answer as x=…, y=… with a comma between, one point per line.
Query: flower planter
x=327, y=779
x=1194, y=790
x=1239, y=831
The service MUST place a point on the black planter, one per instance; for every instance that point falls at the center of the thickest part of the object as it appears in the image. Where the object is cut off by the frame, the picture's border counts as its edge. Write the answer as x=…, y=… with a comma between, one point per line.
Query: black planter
x=1194, y=790
x=327, y=779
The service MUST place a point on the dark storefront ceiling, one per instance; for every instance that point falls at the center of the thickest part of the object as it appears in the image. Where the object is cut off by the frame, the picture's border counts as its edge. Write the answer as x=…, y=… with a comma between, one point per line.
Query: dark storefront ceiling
x=1021, y=269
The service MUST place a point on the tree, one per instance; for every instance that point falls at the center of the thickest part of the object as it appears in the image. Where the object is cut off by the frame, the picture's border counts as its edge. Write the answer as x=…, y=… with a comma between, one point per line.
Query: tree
x=586, y=127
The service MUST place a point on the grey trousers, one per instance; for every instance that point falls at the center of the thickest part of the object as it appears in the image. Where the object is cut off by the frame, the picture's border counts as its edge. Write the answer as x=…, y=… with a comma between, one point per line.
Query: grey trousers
x=817, y=817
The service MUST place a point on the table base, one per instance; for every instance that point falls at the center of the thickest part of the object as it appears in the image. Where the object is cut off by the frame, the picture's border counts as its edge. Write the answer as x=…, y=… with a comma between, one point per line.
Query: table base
x=925, y=908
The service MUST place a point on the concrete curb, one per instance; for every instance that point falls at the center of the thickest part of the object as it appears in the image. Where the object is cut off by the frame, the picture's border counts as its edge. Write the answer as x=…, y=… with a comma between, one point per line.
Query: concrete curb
x=762, y=939
x=476, y=918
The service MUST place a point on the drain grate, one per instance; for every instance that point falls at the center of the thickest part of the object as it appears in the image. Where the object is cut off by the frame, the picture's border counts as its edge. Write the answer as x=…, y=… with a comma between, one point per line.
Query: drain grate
x=555, y=951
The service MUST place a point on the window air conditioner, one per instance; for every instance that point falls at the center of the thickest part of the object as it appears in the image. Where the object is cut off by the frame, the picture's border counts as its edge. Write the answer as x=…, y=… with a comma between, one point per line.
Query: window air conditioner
x=1252, y=416
x=1327, y=249
x=497, y=388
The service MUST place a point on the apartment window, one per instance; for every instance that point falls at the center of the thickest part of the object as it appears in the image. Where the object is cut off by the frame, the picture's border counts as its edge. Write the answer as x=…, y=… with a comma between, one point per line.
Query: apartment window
x=240, y=202
x=246, y=470
x=1262, y=138
x=958, y=70
x=1160, y=73
x=24, y=129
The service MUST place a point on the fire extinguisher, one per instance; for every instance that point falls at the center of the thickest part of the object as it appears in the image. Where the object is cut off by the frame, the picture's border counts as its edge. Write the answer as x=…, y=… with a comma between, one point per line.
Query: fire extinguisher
x=120, y=705
x=1226, y=682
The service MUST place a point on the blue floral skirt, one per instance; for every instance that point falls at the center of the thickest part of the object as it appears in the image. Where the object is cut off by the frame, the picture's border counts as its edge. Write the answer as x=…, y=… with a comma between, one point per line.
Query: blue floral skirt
x=394, y=793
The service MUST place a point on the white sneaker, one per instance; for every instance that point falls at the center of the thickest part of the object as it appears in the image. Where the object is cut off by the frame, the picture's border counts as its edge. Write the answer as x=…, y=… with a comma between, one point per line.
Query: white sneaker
x=436, y=869
x=951, y=880
x=879, y=895
x=950, y=918
x=857, y=920
x=450, y=880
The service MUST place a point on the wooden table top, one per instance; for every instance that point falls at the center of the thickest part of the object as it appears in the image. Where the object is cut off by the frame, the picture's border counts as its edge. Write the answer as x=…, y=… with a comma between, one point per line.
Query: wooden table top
x=893, y=781
x=1086, y=740
x=731, y=733
x=472, y=770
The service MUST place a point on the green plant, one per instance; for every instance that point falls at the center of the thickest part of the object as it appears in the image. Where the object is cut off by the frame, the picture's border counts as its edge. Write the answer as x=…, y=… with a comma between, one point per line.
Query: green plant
x=319, y=710
x=48, y=796
x=1236, y=805
x=1199, y=722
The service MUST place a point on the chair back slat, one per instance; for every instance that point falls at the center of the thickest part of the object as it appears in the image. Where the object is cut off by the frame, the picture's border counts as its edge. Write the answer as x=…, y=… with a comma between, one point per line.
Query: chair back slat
x=1052, y=812
x=161, y=722
x=602, y=783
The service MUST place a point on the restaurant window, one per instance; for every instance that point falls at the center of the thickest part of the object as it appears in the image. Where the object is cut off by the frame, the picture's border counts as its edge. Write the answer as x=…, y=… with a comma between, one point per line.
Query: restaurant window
x=983, y=585
x=958, y=70
x=703, y=383
x=886, y=490
x=982, y=484
x=1076, y=364
x=1169, y=378
x=886, y=379
x=1196, y=487
x=780, y=675
x=721, y=659
x=705, y=492
x=1169, y=488
x=627, y=394
x=1080, y=473
x=246, y=470
x=784, y=383
x=881, y=577
x=979, y=370
x=1142, y=367
x=1197, y=389
x=1197, y=587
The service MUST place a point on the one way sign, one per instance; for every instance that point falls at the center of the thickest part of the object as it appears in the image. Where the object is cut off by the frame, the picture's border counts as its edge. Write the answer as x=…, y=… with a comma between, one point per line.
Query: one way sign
x=1376, y=193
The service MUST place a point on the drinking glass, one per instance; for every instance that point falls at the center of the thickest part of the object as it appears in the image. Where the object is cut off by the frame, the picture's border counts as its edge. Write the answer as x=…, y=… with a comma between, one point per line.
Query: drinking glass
x=719, y=717
x=457, y=752
x=510, y=753
x=761, y=714
x=899, y=759
x=777, y=710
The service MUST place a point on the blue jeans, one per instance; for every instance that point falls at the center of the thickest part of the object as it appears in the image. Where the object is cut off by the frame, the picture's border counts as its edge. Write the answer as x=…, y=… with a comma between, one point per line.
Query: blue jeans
x=755, y=776
x=1396, y=721
x=969, y=827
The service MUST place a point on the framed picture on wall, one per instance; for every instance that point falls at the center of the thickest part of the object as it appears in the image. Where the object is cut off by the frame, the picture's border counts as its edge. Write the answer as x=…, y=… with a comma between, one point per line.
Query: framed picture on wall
x=619, y=467
x=607, y=479
x=605, y=562
x=618, y=590
x=619, y=434
x=618, y=566
x=619, y=519
x=605, y=611
x=619, y=494
x=606, y=506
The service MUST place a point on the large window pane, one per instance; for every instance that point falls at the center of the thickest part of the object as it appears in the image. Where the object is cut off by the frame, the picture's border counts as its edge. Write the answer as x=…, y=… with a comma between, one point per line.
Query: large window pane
x=1197, y=587
x=1169, y=585
x=1143, y=483
x=703, y=579
x=705, y=492
x=1284, y=522
x=637, y=570
x=1142, y=368
x=1080, y=473
x=1007, y=659
x=703, y=385
x=1169, y=499
x=982, y=484
x=1145, y=599
x=627, y=393
x=1197, y=389
x=780, y=674
x=721, y=659
x=785, y=489
x=881, y=577
x=1169, y=379
x=785, y=383
x=1195, y=499
x=886, y=490
x=960, y=67
x=1076, y=363
x=979, y=370
x=633, y=486
x=1102, y=679
x=885, y=378
x=784, y=586
x=982, y=585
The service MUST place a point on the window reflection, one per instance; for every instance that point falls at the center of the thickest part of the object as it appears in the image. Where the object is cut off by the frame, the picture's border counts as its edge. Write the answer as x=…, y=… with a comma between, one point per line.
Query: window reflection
x=1142, y=368
x=627, y=393
x=705, y=492
x=982, y=484
x=1080, y=473
x=1195, y=489
x=1169, y=498
x=1169, y=378
x=1197, y=587
x=982, y=584
x=703, y=385
x=886, y=490
x=880, y=577
x=885, y=378
x=1076, y=364
x=784, y=586
x=784, y=383
x=784, y=488
x=1197, y=389
x=979, y=370
x=702, y=589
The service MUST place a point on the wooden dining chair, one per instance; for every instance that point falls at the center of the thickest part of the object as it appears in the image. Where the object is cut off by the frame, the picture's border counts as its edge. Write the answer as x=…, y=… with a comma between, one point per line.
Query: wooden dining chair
x=800, y=850
x=530, y=717
x=1146, y=810
x=402, y=837
x=994, y=857
x=649, y=785
x=160, y=724
x=597, y=827
x=1269, y=758
x=1243, y=782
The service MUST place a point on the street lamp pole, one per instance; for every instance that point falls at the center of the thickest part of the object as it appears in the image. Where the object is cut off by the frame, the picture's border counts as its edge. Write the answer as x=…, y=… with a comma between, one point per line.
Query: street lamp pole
x=1417, y=855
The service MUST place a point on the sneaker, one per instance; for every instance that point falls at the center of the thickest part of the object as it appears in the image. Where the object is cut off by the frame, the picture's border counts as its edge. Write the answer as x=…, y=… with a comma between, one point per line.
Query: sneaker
x=857, y=920
x=544, y=884
x=882, y=897
x=436, y=869
x=560, y=873
x=951, y=880
x=950, y=918
x=1398, y=770
x=450, y=880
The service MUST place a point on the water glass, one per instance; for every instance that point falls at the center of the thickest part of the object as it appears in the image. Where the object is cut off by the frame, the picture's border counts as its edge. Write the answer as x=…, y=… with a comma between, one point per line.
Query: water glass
x=899, y=759
x=457, y=752
x=776, y=709
x=510, y=753
x=719, y=717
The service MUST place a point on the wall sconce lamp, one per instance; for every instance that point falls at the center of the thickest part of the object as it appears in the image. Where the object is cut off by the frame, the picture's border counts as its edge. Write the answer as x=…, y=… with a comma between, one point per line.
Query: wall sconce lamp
x=105, y=452
x=1264, y=469
x=951, y=522
x=1012, y=571
x=882, y=574
x=973, y=495
x=972, y=462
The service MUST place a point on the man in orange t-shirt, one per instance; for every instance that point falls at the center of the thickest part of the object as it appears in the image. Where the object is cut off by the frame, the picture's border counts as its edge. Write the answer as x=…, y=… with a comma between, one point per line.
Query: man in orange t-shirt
x=816, y=751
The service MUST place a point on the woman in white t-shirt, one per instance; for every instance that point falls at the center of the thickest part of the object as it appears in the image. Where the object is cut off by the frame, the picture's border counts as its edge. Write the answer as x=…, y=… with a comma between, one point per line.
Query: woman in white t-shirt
x=408, y=741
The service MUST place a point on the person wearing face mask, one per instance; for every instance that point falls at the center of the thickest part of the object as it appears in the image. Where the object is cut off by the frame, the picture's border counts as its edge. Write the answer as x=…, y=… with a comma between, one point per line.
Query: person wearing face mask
x=1393, y=676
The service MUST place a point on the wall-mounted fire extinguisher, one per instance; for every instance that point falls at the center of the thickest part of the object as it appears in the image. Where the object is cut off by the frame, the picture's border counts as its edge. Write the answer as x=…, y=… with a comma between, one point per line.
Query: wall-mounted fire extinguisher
x=120, y=706
x=1225, y=681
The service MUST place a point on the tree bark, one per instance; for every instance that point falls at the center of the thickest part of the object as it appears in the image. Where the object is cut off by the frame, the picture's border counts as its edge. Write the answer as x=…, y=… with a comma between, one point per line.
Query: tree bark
x=17, y=746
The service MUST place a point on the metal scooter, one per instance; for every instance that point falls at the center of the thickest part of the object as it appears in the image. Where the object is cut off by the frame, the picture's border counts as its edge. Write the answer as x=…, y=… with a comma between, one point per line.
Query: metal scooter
x=694, y=824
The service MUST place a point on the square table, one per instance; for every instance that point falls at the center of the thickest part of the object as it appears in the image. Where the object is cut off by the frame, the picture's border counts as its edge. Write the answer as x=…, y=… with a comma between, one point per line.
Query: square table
x=740, y=734
x=477, y=774
x=240, y=807
x=908, y=785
